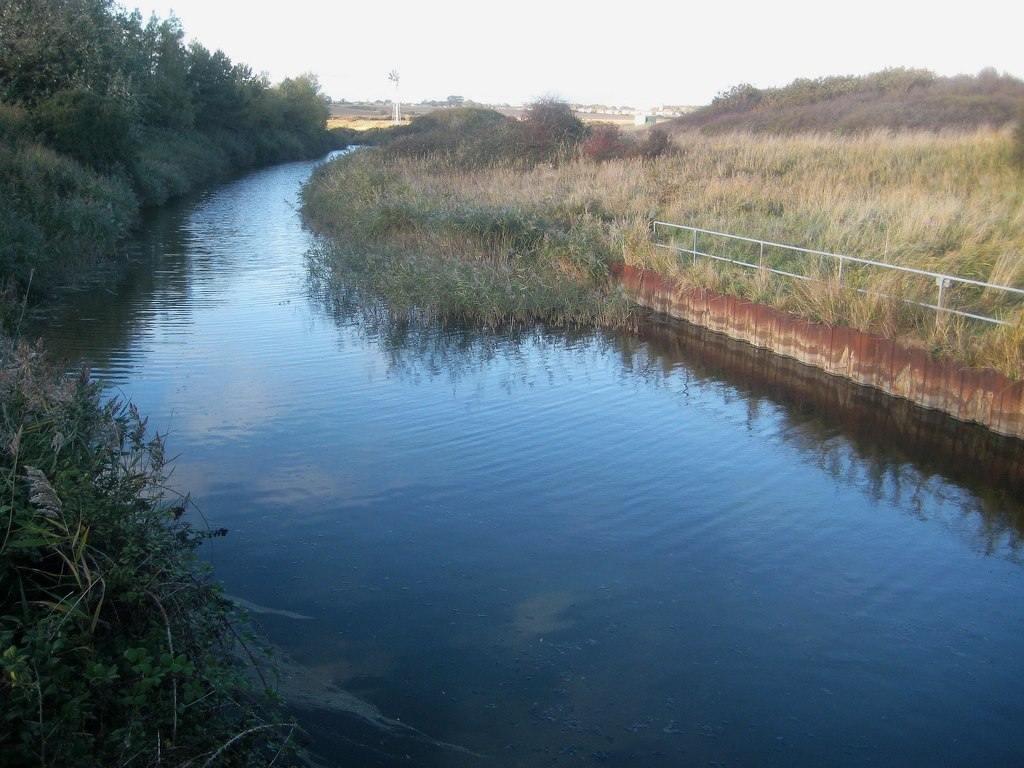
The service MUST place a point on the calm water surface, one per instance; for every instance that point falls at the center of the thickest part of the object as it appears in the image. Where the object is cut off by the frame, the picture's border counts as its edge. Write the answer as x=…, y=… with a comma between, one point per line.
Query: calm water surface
x=551, y=549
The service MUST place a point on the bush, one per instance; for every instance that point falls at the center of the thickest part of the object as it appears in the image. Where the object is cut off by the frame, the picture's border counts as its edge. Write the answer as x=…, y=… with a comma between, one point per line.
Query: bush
x=90, y=128
x=475, y=137
x=550, y=132
x=608, y=142
x=59, y=217
x=605, y=142
x=169, y=163
x=655, y=144
x=15, y=124
x=467, y=135
x=115, y=646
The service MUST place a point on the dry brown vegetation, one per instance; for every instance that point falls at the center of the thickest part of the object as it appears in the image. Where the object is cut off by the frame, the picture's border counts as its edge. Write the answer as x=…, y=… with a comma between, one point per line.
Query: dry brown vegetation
x=949, y=202
x=896, y=99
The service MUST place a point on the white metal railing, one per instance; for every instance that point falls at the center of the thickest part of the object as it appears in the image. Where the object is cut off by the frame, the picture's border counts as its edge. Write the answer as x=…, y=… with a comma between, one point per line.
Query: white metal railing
x=943, y=283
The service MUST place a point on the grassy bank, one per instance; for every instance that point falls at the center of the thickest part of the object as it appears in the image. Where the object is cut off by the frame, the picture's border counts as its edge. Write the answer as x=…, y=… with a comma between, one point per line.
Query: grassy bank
x=950, y=203
x=448, y=243
x=63, y=218
x=947, y=202
x=116, y=648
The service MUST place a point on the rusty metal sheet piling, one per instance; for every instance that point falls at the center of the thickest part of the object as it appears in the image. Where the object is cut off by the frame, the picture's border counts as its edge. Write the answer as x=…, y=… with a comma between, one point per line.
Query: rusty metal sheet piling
x=983, y=397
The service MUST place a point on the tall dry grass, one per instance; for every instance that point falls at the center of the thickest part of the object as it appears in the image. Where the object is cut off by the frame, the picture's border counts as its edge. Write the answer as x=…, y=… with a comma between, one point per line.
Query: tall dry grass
x=948, y=202
x=951, y=203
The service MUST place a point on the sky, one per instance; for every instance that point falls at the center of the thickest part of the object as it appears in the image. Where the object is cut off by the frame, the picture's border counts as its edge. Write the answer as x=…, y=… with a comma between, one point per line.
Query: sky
x=639, y=53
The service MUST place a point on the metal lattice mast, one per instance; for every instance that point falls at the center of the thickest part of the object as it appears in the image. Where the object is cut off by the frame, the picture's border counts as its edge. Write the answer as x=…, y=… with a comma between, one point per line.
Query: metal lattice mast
x=396, y=113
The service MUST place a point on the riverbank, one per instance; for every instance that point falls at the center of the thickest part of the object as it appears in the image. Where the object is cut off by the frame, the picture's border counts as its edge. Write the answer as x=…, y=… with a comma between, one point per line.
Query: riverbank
x=115, y=644
x=63, y=219
x=552, y=515
x=944, y=202
x=986, y=398
x=140, y=117
x=458, y=259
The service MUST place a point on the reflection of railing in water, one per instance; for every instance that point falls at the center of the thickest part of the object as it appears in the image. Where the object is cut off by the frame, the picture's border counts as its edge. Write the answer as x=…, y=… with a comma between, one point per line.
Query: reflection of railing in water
x=883, y=430
x=836, y=264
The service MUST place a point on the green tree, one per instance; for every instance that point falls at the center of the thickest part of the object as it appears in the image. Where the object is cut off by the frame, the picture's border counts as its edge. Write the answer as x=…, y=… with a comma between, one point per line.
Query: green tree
x=167, y=92
x=91, y=128
x=219, y=100
x=53, y=45
x=304, y=109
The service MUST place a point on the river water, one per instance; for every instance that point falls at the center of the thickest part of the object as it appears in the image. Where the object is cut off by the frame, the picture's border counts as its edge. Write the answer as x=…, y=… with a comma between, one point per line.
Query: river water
x=544, y=548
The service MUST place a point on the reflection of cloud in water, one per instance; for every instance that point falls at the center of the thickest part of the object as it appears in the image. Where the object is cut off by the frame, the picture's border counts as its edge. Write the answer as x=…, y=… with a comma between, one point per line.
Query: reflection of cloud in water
x=349, y=662
x=227, y=415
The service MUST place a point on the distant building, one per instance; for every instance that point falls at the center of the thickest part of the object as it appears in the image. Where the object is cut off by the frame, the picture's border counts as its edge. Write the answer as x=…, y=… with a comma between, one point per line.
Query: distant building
x=642, y=118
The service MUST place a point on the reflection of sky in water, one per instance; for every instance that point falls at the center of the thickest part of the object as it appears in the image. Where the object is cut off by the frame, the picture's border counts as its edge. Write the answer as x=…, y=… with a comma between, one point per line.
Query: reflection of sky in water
x=560, y=548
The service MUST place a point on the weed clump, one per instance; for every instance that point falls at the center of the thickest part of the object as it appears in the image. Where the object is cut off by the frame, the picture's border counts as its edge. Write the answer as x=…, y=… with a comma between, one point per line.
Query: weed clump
x=116, y=647
x=416, y=232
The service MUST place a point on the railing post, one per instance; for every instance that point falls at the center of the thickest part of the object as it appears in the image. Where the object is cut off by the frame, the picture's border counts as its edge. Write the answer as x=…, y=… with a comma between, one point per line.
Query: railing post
x=839, y=276
x=942, y=282
x=695, y=247
x=760, y=256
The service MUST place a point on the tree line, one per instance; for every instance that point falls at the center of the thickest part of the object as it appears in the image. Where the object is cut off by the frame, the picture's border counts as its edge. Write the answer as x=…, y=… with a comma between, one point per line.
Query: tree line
x=102, y=113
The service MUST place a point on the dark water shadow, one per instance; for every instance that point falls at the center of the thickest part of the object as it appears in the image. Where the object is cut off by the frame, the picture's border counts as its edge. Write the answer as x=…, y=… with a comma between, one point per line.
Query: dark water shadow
x=887, y=433
x=855, y=433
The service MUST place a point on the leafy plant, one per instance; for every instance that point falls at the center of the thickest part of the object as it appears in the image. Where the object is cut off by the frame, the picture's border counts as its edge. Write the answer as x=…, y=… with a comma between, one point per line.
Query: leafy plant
x=116, y=646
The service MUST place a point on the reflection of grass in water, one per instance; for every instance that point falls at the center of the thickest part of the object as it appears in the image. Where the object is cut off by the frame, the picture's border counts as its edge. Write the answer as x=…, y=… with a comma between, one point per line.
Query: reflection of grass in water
x=417, y=344
x=664, y=353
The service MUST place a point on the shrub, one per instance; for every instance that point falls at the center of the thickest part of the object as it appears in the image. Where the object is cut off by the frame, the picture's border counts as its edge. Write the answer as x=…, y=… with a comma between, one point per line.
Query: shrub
x=115, y=646
x=468, y=135
x=655, y=144
x=605, y=142
x=550, y=132
x=15, y=124
x=86, y=126
x=59, y=217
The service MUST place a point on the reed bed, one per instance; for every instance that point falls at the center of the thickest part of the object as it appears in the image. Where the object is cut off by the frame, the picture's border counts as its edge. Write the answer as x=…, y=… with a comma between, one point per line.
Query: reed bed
x=435, y=240
x=946, y=202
